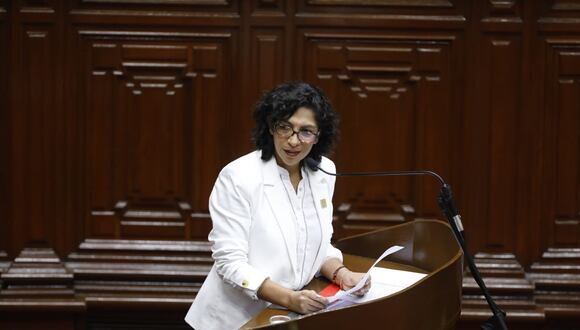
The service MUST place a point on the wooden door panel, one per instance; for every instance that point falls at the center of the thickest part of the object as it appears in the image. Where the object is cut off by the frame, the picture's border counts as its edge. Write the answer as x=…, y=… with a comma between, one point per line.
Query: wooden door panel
x=152, y=105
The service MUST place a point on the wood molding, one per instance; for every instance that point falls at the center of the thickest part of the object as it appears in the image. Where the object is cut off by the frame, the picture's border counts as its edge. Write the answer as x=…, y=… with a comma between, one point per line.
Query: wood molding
x=177, y=74
x=509, y=286
x=163, y=2
x=557, y=279
x=388, y=79
x=116, y=117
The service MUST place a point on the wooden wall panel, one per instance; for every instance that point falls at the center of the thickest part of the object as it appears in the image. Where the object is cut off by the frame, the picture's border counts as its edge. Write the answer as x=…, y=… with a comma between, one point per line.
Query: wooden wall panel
x=567, y=174
x=394, y=7
x=177, y=13
x=491, y=118
x=558, y=48
x=36, y=186
x=438, y=120
x=194, y=3
x=427, y=14
x=268, y=49
x=392, y=92
x=504, y=85
x=40, y=6
x=266, y=38
x=158, y=5
x=4, y=129
x=493, y=127
x=264, y=8
x=562, y=157
x=152, y=107
x=36, y=179
x=500, y=99
x=116, y=116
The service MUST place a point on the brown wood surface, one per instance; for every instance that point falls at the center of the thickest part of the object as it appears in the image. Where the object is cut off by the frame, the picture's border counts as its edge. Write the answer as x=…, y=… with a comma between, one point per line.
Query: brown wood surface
x=117, y=118
x=354, y=262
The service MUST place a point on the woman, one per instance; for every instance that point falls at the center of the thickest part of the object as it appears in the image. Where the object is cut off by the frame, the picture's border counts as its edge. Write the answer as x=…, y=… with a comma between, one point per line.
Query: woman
x=272, y=216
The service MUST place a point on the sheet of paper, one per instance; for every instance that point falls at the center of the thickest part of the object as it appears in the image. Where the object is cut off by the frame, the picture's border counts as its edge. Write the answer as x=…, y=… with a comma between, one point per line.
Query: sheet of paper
x=362, y=282
x=386, y=282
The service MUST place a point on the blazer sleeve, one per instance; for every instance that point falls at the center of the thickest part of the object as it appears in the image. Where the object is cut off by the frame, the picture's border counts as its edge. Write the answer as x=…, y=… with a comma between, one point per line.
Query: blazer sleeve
x=231, y=215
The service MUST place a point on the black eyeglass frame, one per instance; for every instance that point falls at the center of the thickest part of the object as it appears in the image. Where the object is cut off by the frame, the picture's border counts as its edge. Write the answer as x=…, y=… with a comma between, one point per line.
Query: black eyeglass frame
x=280, y=125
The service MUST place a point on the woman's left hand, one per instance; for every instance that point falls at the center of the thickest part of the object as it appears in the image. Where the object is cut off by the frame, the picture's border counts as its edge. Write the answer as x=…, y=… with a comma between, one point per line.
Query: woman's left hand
x=348, y=279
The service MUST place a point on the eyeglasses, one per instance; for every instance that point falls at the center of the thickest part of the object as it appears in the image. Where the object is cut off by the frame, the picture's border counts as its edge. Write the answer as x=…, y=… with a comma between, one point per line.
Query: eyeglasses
x=305, y=135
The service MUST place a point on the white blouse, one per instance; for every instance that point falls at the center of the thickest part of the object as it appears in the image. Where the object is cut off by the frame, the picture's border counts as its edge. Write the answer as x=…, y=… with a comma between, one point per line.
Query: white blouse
x=306, y=224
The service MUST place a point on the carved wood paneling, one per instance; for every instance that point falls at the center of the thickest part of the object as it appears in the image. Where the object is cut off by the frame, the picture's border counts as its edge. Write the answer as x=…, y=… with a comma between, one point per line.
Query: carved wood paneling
x=184, y=10
x=264, y=8
x=492, y=117
x=115, y=117
x=396, y=107
x=159, y=279
x=502, y=15
x=512, y=290
x=37, y=279
x=560, y=7
x=4, y=131
x=180, y=13
x=558, y=16
x=562, y=158
x=35, y=156
x=494, y=126
x=152, y=105
x=557, y=279
x=164, y=4
x=362, y=4
x=267, y=51
x=387, y=13
x=38, y=5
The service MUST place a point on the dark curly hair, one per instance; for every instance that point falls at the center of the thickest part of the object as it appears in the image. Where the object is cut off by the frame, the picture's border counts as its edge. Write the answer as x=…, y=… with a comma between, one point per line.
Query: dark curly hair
x=280, y=104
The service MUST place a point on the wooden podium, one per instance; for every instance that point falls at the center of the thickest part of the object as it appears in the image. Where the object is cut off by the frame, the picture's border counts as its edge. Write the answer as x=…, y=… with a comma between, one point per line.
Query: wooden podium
x=432, y=303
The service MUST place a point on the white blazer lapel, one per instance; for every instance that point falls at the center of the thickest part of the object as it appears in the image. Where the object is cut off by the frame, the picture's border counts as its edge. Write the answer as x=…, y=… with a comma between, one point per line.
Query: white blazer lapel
x=279, y=204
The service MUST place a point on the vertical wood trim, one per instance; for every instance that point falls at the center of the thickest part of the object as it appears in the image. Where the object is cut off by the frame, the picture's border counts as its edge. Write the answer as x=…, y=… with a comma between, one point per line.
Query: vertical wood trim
x=5, y=133
x=567, y=136
x=267, y=50
x=504, y=84
x=37, y=121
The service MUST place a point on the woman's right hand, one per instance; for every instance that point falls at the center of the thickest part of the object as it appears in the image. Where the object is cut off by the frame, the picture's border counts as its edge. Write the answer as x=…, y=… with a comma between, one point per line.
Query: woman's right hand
x=306, y=301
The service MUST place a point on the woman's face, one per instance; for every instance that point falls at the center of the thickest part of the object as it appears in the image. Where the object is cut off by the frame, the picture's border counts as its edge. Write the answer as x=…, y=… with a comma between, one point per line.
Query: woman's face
x=290, y=151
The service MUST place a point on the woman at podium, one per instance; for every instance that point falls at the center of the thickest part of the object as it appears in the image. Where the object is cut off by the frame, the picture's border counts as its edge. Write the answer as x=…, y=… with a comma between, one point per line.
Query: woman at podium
x=272, y=216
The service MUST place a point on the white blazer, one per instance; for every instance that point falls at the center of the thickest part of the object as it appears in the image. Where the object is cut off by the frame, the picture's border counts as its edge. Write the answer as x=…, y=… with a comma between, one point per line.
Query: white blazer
x=254, y=238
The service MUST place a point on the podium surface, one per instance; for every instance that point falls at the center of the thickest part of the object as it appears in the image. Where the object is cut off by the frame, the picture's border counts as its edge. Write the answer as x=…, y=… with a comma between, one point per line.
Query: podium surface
x=432, y=303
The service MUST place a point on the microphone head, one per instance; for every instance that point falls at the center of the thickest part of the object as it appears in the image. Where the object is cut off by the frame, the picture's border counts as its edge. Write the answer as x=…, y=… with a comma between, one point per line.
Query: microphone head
x=312, y=163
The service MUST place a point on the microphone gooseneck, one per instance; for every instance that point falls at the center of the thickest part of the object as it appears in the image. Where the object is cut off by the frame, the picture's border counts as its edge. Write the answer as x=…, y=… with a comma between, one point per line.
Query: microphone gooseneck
x=315, y=165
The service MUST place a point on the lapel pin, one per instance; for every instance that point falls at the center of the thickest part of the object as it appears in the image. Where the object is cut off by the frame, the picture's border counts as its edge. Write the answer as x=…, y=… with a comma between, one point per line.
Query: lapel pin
x=323, y=203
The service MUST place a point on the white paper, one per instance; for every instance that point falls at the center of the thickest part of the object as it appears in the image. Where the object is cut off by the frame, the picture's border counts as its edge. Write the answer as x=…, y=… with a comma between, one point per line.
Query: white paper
x=362, y=282
x=386, y=282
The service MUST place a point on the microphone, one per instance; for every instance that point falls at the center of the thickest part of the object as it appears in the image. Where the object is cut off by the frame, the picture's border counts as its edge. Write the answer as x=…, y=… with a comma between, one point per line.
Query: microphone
x=449, y=209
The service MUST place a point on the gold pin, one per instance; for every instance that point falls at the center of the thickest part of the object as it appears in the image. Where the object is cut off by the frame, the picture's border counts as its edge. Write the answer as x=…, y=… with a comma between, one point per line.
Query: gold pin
x=323, y=203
